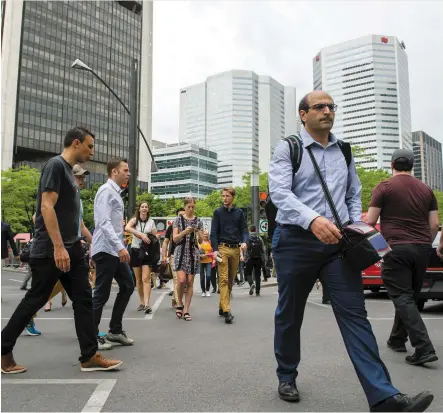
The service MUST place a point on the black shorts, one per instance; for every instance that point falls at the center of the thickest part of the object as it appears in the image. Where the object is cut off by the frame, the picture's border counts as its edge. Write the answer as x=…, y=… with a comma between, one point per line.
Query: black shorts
x=136, y=261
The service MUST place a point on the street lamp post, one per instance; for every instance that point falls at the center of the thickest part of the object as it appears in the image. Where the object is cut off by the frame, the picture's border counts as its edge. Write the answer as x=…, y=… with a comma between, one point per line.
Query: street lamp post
x=133, y=126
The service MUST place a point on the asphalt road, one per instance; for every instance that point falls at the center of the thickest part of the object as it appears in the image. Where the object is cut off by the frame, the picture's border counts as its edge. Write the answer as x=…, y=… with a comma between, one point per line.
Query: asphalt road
x=204, y=365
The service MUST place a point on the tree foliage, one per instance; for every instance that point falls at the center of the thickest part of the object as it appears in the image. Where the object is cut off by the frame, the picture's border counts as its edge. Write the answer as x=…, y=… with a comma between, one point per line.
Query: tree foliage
x=19, y=192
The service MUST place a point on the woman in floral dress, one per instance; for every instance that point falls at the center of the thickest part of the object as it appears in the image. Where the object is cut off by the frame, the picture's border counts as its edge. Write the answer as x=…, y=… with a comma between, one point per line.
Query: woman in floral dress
x=187, y=233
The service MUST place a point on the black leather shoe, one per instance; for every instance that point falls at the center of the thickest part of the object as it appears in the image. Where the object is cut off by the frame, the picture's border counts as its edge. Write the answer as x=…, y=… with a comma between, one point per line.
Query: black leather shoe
x=403, y=403
x=399, y=348
x=220, y=312
x=228, y=318
x=326, y=302
x=417, y=360
x=288, y=391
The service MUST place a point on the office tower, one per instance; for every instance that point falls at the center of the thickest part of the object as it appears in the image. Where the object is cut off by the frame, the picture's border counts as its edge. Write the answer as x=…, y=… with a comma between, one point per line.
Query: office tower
x=237, y=114
x=428, y=163
x=184, y=169
x=291, y=111
x=42, y=97
x=368, y=79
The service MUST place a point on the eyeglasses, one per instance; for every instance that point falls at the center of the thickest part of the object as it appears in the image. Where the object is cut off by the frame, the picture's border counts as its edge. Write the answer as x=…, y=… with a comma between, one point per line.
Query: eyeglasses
x=322, y=106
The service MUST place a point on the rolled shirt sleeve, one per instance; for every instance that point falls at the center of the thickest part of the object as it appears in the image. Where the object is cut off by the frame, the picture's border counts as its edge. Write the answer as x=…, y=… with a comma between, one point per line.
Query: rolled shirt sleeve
x=280, y=187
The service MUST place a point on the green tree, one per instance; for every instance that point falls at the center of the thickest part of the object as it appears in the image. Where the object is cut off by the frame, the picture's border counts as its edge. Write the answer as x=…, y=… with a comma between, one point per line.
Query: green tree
x=439, y=196
x=88, y=196
x=19, y=194
x=369, y=180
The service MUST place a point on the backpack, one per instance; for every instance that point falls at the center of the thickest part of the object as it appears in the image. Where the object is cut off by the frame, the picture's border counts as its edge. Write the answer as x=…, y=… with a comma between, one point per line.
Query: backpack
x=255, y=249
x=296, y=152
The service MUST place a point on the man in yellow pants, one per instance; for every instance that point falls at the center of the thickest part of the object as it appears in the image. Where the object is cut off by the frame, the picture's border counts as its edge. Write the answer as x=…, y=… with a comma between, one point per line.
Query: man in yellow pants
x=228, y=230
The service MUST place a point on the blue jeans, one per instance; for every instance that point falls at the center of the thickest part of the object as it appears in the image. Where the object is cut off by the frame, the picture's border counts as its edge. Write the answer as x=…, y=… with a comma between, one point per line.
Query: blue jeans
x=205, y=268
x=300, y=258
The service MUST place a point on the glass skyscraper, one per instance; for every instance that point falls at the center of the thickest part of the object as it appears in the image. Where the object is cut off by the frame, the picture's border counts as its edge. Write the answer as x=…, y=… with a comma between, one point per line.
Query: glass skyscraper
x=368, y=79
x=428, y=163
x=237, y=114
x=51, y=97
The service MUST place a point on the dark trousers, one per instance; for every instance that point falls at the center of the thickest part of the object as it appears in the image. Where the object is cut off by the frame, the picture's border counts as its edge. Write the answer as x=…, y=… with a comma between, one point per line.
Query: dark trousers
x=27, y=278
x=325, y=293
x=205, y=276
x=214, y=276
x=300, y=259
x=109, y=267
x=403, y=271
x=265, y=270
x=76, y=284
x=254, y=265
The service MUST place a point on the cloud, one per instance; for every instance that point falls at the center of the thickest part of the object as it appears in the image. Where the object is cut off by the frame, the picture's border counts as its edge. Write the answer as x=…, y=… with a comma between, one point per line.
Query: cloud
x=194, y=40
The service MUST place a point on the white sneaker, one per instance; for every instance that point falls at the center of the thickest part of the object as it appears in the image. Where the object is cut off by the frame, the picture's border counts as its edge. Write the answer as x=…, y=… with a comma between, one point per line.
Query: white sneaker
x=103, y=344
x=203, y=294
x=208, y=293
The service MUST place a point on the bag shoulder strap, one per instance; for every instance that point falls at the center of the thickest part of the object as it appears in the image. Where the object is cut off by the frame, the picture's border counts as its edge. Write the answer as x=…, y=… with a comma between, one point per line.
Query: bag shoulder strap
x=346, y=149
x=326, y=190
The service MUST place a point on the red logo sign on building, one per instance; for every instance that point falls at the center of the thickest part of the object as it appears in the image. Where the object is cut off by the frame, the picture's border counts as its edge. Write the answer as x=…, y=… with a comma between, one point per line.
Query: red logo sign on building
x=384, y=40
x=317, y=58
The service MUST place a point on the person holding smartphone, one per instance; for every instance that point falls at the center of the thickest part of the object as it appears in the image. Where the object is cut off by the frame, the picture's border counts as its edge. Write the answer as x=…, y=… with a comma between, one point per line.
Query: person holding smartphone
x=187, y=232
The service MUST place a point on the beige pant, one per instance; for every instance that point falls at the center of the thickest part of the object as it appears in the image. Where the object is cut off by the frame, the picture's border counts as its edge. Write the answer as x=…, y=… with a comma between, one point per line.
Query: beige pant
x=174, y=278
x=227, y=270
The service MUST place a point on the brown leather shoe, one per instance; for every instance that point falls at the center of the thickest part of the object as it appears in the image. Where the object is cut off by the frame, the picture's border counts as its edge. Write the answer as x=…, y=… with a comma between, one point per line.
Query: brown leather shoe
x=9, y=366
x=98, y=363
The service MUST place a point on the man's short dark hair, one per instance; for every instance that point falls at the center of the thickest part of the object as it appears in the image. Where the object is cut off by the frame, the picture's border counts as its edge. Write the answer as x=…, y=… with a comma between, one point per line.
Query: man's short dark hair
x=403, y=165
x=114, y=163
x=303, y=105
x=252, y=228
x=179, y=210
x=79, y=132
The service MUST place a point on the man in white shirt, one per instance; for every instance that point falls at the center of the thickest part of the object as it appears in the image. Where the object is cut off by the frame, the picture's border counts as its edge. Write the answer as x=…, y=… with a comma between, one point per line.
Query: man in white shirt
x=110, y=255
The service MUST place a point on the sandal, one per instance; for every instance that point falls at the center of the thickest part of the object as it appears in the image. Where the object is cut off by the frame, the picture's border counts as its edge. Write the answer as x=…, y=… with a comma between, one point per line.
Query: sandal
x=48, y=308
x=179, y=312
x=141, y=307
x=187, y=317
x=148, y=310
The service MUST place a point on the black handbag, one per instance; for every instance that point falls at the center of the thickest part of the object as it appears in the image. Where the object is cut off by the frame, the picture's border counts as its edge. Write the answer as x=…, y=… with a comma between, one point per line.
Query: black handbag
x=363, y=246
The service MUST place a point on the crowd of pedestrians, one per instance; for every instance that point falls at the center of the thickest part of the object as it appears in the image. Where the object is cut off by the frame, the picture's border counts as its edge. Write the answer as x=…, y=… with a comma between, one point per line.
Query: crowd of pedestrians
x=306, y=249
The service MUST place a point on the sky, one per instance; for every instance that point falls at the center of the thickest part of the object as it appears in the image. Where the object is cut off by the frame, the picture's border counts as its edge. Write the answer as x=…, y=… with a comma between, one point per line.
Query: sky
x=196, y=39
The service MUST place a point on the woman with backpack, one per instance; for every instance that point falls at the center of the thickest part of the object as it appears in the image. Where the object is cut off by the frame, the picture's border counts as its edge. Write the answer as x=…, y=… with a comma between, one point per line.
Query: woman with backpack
x=187, y=232
x=142, y=229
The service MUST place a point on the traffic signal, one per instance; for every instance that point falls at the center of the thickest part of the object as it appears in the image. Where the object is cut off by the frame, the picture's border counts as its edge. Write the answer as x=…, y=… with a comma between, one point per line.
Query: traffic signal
x=263, y=202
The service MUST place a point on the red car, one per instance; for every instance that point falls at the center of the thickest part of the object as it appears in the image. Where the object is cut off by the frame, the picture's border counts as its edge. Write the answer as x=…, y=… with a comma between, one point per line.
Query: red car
x=432, y=284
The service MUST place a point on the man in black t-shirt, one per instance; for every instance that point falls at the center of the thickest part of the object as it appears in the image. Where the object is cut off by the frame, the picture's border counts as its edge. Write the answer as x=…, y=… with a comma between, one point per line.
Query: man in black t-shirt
x=168, y=248
x=57, y=254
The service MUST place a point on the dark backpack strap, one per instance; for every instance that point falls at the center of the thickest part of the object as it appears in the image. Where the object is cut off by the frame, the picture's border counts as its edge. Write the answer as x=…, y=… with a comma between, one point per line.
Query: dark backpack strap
x=296, y=151
x=346, y=149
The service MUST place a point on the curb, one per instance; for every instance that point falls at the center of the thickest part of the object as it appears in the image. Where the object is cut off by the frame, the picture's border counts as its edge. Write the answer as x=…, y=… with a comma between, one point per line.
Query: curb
x=11, y=269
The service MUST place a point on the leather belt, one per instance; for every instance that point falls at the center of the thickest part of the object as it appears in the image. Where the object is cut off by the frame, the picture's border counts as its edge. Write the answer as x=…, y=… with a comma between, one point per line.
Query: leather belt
x=228, y=245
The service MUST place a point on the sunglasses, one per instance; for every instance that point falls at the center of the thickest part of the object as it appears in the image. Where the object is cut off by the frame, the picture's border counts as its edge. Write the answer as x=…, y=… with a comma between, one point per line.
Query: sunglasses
x=322, y=106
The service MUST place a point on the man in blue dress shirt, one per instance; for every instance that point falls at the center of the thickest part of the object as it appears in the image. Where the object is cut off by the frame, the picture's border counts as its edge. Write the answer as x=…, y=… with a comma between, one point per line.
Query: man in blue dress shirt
x=304, y=244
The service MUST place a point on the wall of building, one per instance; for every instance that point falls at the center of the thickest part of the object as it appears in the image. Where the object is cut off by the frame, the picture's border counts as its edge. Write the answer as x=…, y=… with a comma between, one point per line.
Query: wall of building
x=52, y=97
x=184, y=170
x=368, y=79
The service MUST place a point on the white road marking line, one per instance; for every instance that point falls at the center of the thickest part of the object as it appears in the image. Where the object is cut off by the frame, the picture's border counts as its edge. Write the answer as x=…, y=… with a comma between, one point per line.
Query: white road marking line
x=392, y=318
x=17, y=281
x=156, y=305
x=72, y=318
x=100, y=395
x=319, y=304
x=95, y=402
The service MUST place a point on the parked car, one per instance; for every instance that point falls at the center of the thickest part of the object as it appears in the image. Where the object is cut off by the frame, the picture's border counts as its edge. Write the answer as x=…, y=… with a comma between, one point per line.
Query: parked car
x=432, y=288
